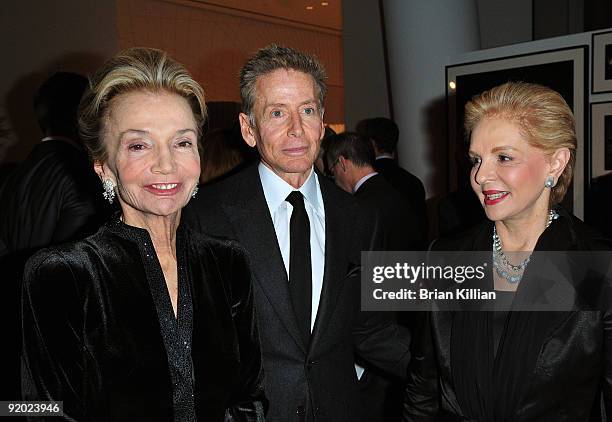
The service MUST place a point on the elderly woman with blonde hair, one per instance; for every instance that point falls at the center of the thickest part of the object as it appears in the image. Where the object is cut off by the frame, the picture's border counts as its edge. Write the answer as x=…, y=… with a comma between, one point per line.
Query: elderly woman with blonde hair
x=144, y=320
x=505, y=364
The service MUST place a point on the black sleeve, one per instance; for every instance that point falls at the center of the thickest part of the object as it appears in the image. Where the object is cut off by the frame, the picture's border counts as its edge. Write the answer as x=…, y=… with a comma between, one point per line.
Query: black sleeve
x=77, y=218
x=249, y=402
x=82, y=210
x=421, y=395
x=52, y=351
x=380, y=341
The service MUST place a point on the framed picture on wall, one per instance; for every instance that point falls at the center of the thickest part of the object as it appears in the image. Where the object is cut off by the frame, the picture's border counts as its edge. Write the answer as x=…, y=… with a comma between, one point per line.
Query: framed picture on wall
x=601, y=139
x=563, y=70
x=601, y=76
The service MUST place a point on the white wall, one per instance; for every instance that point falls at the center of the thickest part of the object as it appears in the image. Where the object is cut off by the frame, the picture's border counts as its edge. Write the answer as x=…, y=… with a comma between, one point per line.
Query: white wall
x=421, y=35
x=365, y=80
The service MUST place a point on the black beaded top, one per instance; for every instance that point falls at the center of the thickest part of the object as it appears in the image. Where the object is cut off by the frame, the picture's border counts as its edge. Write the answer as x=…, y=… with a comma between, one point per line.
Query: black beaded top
x=175, y=330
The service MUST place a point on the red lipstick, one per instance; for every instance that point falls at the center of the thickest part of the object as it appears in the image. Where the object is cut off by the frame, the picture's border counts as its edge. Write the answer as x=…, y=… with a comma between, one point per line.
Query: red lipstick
x=492, y=197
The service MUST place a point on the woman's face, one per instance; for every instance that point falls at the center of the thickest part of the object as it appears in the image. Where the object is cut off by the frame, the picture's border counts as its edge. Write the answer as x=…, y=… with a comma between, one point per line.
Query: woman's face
x=507, y=173
x=153, y=159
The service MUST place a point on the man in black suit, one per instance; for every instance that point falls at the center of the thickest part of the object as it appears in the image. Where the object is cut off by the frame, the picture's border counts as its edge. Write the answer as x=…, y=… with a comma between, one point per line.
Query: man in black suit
x=304, y=237
x=350, y=158
x=384, y=134
x=52, y=197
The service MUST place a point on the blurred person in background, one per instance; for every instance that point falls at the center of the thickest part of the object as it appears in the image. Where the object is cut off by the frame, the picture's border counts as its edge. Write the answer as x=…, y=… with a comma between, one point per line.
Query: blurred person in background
x=320, y=163
x=47, y=199
x=350, y=159
x=223, y=154
x=384, y=135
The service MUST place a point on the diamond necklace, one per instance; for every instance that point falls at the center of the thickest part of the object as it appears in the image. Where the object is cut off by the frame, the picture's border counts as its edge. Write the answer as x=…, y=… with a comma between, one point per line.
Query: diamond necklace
x=504, y=268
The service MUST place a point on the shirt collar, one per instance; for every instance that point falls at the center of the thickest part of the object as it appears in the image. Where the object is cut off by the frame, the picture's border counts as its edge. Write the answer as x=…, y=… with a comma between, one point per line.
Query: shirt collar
x=363, y=180
x=276, y=189
x=381, y=156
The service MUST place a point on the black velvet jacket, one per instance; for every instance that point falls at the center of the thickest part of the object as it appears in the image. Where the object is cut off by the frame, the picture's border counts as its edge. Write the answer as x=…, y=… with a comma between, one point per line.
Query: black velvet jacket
x=92, y=337
x=573, y=361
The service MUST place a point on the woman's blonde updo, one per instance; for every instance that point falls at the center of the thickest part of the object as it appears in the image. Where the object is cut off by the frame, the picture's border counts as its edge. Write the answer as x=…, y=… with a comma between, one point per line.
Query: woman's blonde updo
x=543, y=116
x=135, y=69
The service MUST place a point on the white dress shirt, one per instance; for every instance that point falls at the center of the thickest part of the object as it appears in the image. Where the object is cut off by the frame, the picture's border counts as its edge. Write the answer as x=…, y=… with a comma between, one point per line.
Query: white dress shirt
x=276, y=191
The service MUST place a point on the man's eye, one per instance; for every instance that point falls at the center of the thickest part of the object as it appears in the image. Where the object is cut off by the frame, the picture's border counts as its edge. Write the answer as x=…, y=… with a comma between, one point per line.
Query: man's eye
x=185, y=143
x=309, y=110
x=475, y=161
x=277, y=113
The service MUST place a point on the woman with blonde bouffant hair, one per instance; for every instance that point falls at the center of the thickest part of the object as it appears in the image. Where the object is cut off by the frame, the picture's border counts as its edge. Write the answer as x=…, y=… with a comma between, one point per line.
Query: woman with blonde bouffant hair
x=144, y=320
x=511, y=363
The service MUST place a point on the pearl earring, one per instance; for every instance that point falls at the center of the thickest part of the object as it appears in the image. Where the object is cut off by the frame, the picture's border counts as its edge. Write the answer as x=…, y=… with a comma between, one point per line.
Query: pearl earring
x=550, y=182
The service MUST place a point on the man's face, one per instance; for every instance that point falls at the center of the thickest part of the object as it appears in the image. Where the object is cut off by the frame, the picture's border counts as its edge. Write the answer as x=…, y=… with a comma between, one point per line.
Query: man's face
x=288, y=124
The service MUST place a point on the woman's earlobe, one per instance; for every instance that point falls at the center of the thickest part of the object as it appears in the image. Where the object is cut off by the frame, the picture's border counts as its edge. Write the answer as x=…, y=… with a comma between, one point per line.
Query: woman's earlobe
x=98, y=169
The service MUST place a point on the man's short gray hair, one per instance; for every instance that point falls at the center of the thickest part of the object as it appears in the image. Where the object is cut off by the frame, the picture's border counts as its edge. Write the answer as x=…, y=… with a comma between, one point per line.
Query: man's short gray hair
x=271, y=58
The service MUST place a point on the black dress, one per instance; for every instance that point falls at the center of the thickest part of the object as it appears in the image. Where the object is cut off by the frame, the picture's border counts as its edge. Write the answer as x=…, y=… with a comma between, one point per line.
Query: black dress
x=541, y=366
x=99, y=332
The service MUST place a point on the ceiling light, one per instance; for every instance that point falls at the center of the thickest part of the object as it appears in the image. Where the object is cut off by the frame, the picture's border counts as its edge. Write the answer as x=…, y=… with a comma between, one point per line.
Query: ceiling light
x=324, y=3
x=452, y=85
x=309, y=7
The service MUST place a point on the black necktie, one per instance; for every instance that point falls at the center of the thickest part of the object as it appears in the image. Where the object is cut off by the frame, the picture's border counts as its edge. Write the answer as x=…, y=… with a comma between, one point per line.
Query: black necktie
x=300, y=271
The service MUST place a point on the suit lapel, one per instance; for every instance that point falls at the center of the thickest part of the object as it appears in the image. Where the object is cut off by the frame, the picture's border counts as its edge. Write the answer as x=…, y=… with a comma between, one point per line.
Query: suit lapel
x=337, y=226
x=253, y=227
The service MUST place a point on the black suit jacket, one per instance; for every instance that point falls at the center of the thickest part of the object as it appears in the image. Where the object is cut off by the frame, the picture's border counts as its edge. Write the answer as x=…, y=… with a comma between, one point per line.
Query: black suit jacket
x=400, y=231
x=314, y=381
x=410, y=187
x=52, y=197
x=574, y=362
x=400, y=225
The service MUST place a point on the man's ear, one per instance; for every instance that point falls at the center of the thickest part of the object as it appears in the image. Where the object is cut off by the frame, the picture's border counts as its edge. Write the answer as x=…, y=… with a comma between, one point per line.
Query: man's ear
x=558, y=162
x=376, y=150
x=343, y=163
x=322, y=125
x=248, y=131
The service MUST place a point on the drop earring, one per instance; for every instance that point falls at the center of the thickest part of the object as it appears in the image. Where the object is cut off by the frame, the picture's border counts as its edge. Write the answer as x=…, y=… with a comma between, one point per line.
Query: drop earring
x=195, y=191
x=109, y=190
